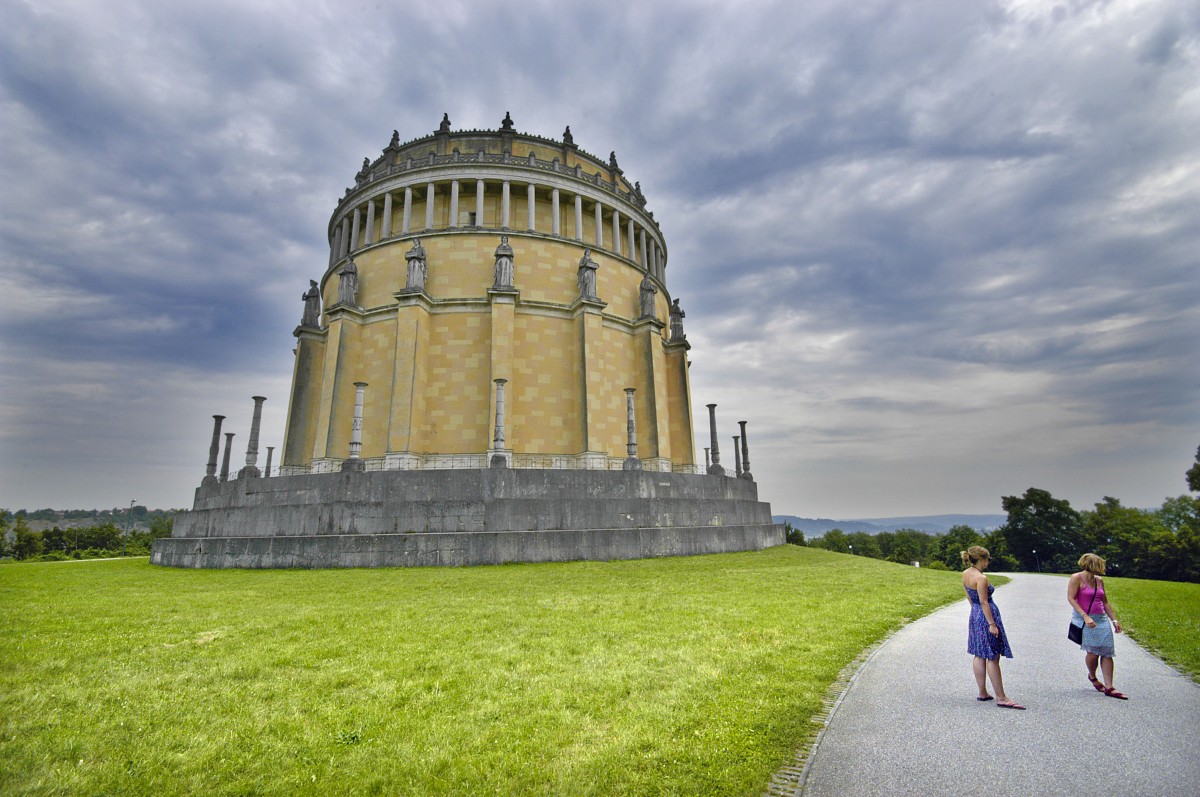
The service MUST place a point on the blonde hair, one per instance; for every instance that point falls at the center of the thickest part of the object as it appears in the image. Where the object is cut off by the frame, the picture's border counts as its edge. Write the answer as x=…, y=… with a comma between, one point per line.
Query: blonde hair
x=1092, y=564
x=974, y=554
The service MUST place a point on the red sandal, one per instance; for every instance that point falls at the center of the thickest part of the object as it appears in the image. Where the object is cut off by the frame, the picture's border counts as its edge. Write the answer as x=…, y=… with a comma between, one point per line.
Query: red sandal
x=1112, y=692
x=1096, y=683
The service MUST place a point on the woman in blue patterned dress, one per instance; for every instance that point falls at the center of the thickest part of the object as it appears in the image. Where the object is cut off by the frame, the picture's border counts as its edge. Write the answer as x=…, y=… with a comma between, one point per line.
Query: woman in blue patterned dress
x=986, y=640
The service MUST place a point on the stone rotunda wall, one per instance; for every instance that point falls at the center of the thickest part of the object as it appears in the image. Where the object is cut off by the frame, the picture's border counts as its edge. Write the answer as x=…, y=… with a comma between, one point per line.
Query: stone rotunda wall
x=463, y=258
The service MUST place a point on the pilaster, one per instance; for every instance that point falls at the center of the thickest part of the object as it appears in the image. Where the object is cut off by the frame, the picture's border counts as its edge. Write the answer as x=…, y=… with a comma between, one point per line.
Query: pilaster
x=407, y=407
x=596, y=392
x=304, y=402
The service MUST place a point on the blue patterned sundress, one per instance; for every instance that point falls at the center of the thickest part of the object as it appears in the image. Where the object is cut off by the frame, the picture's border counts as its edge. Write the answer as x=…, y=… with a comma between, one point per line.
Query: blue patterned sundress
x=979, y=641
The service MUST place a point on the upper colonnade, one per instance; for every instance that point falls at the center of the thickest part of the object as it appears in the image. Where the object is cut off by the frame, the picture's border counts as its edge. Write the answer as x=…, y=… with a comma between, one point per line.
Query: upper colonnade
x=497, y=180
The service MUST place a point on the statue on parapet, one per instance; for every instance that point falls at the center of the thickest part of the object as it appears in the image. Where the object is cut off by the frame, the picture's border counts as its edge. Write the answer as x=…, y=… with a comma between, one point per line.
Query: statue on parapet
x=504, y=266
x=647, y=292
x=348, y=283
x=586, y=276
x=312, y=306
x=418, y=270
x=677, y=315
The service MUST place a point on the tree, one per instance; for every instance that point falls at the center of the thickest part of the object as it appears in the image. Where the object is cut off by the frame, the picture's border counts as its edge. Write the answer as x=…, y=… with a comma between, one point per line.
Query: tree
x=1042, y=531
x=832, y=540
x=907, y=546
x=956, y=540
x=1127, y=539
x=1193, y=474
x=863, y=544
x=793, y=535
x=28, y=543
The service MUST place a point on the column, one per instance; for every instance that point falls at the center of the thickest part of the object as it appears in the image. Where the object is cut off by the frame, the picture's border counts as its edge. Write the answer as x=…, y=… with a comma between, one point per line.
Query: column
x=629, y=237
x=210, y=472
x=386, y=230
x=355, y=462
x=225, y=459
x=737, y=458
x=370, y=236
x=715, y=468
x=355, y=242
x=616, y=231
x=645, y=260
x=498, y=459
x=745, y=454
x=504, y=199
x=270, y=456
x=578, y=217
x=406, y=218
x=454, y=203
x=555, y=225
x=631, y=456
x=599, y=226
x=344, y=249
x=334, y=244
x=429, y=196
x=707, y=461
x=251, y=470
x=479, y=203
x=531, y=194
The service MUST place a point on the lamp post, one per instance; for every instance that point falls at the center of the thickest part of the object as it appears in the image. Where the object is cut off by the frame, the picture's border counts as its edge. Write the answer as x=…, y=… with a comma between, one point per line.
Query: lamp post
x=1037, y=559
x=852, y=550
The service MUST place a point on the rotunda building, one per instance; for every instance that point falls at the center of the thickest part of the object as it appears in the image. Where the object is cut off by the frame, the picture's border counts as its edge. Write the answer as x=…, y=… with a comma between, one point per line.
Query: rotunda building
x=497, y=292
x=489, y=369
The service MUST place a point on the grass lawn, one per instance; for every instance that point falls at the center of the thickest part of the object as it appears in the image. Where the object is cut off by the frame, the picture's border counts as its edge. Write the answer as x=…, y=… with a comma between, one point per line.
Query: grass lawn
x=682, y=676
x=1163, y=616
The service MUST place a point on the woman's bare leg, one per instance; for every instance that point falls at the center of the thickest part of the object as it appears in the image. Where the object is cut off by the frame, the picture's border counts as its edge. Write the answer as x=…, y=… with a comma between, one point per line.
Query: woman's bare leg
x=979, y=665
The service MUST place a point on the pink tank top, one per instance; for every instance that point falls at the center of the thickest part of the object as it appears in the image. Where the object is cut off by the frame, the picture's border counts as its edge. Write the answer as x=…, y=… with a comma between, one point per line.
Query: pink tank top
x=1085, y=597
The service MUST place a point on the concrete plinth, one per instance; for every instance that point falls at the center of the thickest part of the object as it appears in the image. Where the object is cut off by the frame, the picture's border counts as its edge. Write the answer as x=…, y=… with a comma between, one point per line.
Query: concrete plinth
x=465, y=517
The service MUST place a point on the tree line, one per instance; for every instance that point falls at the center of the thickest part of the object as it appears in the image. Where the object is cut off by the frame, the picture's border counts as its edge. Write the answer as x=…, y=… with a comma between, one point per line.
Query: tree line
x=1045, y=534
x=93, y=541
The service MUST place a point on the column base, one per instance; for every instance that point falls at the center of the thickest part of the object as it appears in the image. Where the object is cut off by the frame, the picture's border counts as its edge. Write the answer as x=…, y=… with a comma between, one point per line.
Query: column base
x=354, y=466
x=631, y=463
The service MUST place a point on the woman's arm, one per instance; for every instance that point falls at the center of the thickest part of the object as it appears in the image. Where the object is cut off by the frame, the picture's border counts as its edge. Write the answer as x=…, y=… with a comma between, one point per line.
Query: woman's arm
x=981, y=586
x=1108, y=608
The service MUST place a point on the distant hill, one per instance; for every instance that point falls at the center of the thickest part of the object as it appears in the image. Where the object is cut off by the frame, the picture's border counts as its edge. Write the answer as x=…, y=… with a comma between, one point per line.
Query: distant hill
x=931, y=524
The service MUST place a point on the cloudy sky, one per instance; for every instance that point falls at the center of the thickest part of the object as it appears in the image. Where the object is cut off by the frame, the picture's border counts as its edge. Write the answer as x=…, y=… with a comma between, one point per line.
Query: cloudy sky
x=934, y=252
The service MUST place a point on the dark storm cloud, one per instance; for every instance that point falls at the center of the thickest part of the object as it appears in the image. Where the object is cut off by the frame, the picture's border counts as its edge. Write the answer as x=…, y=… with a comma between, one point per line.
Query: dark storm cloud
x=903, y=231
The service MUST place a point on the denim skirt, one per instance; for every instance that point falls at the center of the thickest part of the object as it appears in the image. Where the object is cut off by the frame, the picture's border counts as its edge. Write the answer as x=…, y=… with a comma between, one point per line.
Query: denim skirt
x=1098, y=640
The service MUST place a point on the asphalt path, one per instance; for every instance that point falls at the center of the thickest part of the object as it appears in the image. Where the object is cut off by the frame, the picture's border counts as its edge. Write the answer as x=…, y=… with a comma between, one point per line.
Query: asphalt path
x=909, y=724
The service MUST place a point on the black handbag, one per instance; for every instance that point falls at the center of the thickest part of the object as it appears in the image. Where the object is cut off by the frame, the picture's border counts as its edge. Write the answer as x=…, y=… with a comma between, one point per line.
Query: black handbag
x=1075, y=632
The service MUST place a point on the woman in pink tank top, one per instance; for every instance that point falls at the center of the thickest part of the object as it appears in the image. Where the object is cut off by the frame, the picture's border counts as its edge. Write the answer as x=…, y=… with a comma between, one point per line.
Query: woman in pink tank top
x=1085, y=593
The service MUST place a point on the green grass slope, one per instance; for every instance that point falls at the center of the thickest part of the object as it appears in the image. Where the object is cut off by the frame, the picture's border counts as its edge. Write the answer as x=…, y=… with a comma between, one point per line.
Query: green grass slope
x=1163, y=616
x=698, y=675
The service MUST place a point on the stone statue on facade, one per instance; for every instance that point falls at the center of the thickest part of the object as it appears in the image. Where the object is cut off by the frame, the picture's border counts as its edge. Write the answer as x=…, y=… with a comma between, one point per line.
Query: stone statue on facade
x=312, y=306
x=418, y=270
x=348, y=283
x=647, y=292
x=586, y=276
x=677, y=315
x=504, y=266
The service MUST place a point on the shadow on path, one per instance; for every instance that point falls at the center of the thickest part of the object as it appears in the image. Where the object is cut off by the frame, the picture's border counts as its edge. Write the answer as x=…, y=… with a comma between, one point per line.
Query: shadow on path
x=909, y=722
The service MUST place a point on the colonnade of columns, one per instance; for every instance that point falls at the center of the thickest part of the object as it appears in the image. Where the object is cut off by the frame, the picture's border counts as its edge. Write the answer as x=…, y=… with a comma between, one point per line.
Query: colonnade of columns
x=712, y=456
x=627, y=238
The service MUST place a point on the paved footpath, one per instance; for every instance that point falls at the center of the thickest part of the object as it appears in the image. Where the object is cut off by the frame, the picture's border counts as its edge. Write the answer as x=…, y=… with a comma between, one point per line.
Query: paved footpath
x=909, y=724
